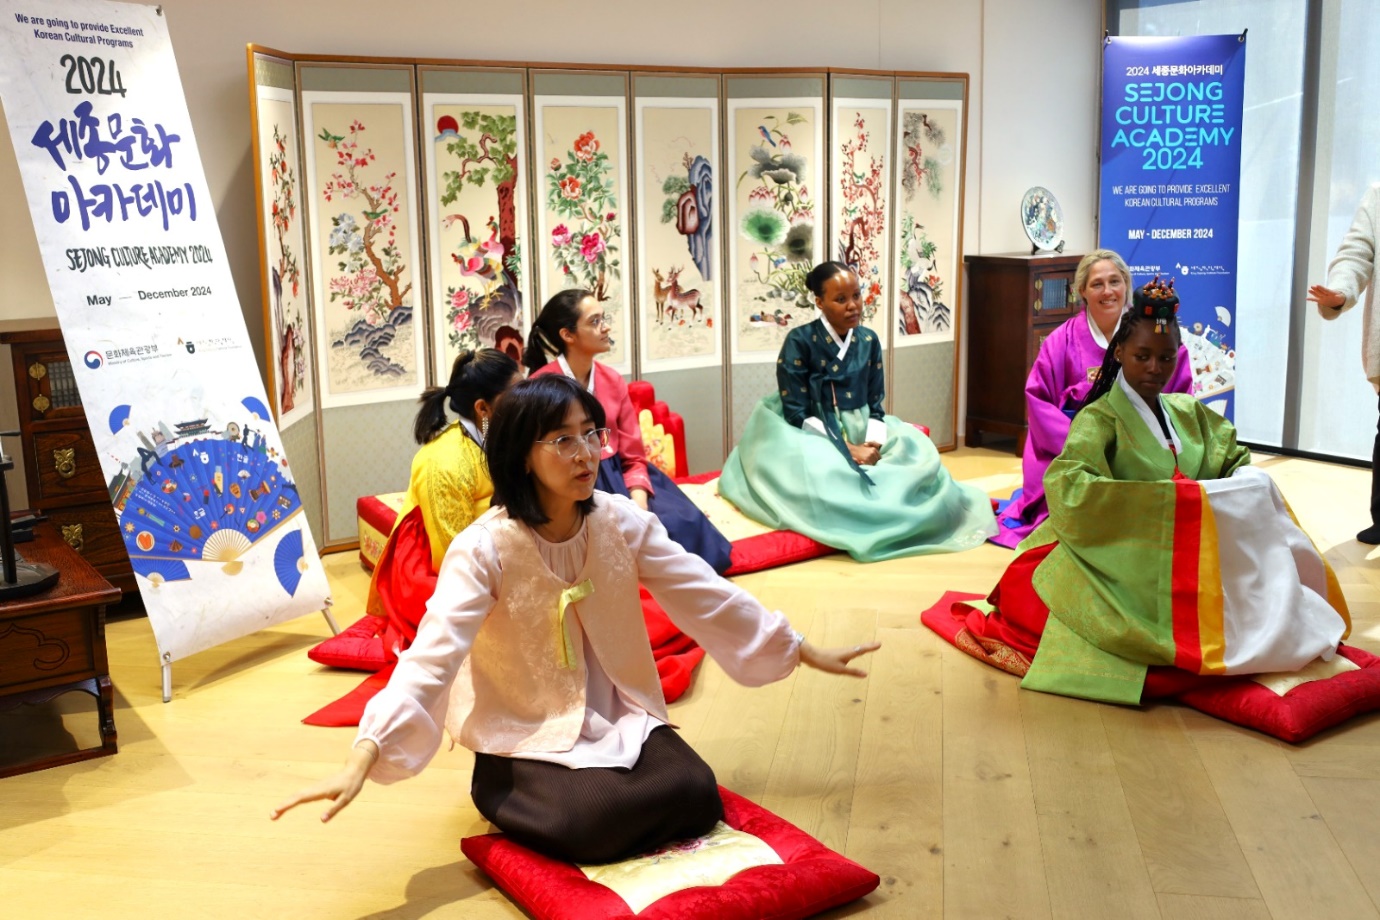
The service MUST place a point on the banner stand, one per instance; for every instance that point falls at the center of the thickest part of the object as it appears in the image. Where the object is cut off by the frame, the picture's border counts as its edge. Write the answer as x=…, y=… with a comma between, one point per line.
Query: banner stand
x=167, y=656
x=206, y=505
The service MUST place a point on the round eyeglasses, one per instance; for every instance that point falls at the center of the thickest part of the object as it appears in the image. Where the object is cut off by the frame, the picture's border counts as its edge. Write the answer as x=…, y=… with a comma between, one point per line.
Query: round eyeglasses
x=568, y=446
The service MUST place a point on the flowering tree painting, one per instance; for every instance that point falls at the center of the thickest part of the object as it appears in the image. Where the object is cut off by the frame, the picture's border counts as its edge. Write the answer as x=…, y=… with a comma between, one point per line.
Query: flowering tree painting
x=580, y=225
x=581, y=191
x=927, y=243
x=366, y=280
x=775, y=218
x=859, y=183
x=476, y=160
x=286, y=276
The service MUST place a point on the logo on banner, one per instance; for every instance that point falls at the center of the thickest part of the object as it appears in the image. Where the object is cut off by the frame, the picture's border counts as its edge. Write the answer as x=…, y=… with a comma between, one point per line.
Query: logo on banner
x=94, y=360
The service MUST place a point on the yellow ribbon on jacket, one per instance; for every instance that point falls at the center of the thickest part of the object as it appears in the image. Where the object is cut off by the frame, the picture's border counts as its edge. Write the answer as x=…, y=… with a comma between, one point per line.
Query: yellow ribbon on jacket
x=572, y=595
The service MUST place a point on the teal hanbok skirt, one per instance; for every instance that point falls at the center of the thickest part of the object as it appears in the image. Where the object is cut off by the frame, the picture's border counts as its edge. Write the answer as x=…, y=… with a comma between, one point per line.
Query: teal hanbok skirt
x=791, y=479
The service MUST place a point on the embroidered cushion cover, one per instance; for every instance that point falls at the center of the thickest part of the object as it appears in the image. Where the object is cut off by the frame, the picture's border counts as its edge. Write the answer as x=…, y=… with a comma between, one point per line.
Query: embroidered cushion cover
x=809, y=878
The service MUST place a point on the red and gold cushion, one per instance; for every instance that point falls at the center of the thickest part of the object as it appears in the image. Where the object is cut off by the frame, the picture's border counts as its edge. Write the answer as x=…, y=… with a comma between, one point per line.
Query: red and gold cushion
x=1292, y=707
x=376, y=514
x=791, y=877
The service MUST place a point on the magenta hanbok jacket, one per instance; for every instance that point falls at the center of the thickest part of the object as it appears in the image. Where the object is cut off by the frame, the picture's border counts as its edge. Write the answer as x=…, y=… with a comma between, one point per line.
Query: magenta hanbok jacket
x=1061, y=378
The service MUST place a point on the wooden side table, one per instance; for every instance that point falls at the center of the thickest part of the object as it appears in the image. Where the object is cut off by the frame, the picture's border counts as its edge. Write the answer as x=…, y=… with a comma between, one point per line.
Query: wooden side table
x=1014, y=301
x=53, y=643
x=61, y=467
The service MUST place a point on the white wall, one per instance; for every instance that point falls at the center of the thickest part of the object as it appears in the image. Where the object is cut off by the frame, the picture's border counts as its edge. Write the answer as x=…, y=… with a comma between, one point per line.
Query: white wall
x=1033, y=89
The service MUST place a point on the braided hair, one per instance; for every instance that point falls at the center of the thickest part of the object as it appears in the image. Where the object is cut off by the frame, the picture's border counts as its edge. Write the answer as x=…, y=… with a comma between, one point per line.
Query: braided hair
x=1154, y=303
x=475, y=375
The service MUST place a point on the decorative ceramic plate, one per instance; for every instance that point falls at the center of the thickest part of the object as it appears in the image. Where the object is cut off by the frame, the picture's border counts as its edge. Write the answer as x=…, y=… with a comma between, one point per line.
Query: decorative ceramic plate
x=1042, y=218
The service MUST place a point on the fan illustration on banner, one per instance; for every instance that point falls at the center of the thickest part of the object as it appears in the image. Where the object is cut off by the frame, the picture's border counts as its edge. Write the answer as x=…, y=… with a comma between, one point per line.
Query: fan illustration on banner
x=201, y=495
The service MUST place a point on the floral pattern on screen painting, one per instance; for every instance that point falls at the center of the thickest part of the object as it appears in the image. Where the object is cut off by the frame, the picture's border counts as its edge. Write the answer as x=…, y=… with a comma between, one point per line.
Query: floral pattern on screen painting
x=863, y=210
x=286, y=274
x=581, y=192
x=370, y=270
x=780, y=220
x=486, y=310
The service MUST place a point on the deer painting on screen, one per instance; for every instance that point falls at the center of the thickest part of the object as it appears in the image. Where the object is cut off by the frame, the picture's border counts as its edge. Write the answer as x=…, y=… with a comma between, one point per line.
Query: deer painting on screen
x=679, y=301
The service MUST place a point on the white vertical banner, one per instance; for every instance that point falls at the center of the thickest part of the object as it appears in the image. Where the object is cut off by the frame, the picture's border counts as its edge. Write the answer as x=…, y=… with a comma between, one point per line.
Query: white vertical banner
x=206, y=502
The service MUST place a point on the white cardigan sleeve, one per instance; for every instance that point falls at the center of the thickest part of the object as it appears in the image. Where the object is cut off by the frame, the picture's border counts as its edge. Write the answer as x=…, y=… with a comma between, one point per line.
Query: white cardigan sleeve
x=407, y=718
x=754, y=645
x=1352, y=269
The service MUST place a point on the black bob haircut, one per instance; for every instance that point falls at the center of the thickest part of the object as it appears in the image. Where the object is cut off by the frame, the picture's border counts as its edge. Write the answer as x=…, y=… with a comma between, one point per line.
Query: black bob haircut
x=525, y=414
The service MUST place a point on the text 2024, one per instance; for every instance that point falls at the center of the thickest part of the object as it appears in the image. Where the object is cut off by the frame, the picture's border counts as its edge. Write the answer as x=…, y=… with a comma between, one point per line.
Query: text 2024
x=92, y=76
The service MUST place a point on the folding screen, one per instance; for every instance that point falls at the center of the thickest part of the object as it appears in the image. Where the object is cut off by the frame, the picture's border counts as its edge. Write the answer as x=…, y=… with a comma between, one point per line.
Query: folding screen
x=364, y=236
x=776, y=209
x=927, y=263
x=692, y=204
x=580, y=138
x=473, y=131
x=679, y=229
x=286, y=291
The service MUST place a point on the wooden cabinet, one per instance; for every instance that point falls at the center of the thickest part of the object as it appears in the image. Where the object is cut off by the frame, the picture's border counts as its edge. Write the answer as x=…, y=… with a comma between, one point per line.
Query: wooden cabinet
x=53, y=643
x=61, y=469
x=1014, y=301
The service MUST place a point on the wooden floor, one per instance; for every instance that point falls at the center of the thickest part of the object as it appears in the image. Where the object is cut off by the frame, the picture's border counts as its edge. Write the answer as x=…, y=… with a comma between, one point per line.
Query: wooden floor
x=970, y=797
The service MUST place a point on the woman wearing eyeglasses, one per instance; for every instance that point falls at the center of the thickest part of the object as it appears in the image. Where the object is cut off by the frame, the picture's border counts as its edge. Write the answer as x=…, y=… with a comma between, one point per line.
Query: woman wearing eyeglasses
x=573, y=329
x=529, y=653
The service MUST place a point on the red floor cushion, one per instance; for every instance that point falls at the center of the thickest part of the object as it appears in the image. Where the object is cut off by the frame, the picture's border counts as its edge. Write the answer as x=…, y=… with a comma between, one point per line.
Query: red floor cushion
x=1291, y=707
x=810, y=878
x=358, y=648
x=1337, y=693
x=753, y=547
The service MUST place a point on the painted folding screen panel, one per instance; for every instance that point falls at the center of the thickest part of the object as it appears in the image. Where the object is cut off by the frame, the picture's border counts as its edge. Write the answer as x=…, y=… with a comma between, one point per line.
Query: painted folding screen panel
x=284, y=284
x=678, y=233
x=280, y=171
x=476, y=211
x=365, y=258
x=927, y=252
x=775, y=162
x=929, y=159
x=861, y=198
x=582, y=160
x=362, y=190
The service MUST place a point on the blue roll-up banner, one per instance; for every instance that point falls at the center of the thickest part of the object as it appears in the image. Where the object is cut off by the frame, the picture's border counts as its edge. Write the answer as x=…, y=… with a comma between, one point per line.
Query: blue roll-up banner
x=1170, y=190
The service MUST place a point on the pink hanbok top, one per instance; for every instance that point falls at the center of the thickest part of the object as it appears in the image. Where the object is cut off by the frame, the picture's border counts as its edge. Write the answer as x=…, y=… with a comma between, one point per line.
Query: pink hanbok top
x=753, y=645
x=1063, y=374
x=625, y=434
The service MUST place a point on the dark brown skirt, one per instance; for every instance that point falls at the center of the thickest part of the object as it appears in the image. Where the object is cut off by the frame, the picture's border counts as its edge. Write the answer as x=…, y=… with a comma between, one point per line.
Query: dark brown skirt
x=600, y=814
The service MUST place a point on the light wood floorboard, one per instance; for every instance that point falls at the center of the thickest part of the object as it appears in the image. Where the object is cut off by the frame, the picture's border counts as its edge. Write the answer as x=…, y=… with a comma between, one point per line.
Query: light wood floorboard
x=970, y=797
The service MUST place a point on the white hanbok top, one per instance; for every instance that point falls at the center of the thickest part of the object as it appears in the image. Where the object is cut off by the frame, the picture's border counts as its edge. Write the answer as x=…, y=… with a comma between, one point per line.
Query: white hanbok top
x=755, y=646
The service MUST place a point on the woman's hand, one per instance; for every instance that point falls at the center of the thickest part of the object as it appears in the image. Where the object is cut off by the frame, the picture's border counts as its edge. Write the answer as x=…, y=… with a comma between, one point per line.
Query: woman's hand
x=639, y=496
x=1326, y=297
x=866, y=454
x=341, y=788
x=835, y=660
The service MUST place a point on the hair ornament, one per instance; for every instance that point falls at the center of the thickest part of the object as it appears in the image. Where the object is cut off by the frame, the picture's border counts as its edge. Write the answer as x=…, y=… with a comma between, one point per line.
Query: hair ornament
x=1157, y=301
